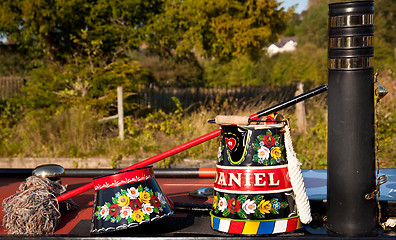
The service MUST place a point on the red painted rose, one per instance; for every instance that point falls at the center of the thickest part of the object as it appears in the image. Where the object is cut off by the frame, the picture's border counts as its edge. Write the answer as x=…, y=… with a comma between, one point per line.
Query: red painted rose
x=135, y=204
x=233, y=205
x=269, y=140
x=114, y=210
x=155, y=202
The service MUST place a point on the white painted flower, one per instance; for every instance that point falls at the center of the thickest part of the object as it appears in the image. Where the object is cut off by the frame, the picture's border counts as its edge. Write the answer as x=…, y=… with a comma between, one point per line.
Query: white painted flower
x=161, y=198
x=222, y=204
x=132, y=193
x=249, y=206
x=263, y=153
x=104, y=211
x=126, y=212
x=147, y=208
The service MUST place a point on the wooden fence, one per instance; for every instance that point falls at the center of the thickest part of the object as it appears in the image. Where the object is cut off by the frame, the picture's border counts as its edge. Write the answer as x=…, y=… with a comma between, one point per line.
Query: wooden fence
x=161, y=98
x=10, y=86
x=192, y=97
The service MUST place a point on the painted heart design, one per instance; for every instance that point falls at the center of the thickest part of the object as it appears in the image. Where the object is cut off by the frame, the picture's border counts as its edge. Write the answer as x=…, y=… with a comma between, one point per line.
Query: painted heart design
x=231, y=143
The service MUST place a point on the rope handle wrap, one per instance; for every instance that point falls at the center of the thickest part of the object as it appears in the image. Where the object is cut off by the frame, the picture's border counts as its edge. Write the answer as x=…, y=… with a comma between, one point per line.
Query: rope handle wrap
x=297, y=181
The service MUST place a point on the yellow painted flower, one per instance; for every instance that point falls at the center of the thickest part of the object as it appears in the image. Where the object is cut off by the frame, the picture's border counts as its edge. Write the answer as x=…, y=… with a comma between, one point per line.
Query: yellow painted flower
x=144, y=197
x=264, y=206
x=123, y=201
x=215, y=201
x=276, y=152
x=137, y=216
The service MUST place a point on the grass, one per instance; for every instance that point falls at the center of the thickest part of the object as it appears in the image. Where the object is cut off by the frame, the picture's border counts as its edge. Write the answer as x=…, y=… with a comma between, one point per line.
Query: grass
x=76, y=132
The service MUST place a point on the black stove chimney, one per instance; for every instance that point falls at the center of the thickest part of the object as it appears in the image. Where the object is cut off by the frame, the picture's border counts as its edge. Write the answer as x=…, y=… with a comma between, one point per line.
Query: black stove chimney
x=351, y=155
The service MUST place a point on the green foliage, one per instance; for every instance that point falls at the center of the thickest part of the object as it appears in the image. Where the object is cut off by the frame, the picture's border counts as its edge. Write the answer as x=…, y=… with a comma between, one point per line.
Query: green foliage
x=169, y=70
x=306, y=64
x=313, y=28
x=169, y=124
x=385, y=34
x=237, y=72
x=49, y=28
x=13, y=62
x=220, y=29
x=70, y=132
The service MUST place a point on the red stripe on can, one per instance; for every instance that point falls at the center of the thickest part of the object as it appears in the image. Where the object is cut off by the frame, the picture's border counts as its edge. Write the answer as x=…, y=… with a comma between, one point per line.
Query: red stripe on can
x=236, y=227
x=292, y=224
x=123, y=178
x=252, y=179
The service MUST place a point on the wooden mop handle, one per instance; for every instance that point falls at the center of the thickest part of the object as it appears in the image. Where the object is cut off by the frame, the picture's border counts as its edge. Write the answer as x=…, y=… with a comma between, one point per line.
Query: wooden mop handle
x=198, y=140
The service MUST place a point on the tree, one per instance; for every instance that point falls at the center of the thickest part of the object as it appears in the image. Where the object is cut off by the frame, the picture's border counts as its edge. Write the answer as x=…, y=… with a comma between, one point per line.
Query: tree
x=222, y=29
x=313, y=28
x=385, y=33
x=50, y=27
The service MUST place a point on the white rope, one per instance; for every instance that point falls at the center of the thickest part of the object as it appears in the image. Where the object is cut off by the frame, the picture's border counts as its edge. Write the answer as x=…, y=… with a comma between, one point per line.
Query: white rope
x=391, y=222
x=297, y=181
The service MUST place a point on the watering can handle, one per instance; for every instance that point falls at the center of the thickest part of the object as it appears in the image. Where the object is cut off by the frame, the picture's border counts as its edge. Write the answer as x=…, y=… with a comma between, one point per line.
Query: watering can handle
x=199, y=140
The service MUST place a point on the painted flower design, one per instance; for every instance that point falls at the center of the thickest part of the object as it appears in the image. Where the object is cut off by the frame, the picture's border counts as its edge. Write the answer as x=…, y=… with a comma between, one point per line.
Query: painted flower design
x=276, y=205
x=114, y=210
x=215, y=201
x=222, y=204
x=132, y=205
x=269, y=140
x=263, y=153
x=233, y=205
x=147, y=208
x=135, y=204
x=132, y=193
x=154, y=201
x=126, y=212
x=276, y=153
x=269, y=149
x=161, y=198
x=243, y=206
x=137, y=216
x=123, y=201
x=103, y=211
x=264, y=207
x=249, y=206
x=144, y=197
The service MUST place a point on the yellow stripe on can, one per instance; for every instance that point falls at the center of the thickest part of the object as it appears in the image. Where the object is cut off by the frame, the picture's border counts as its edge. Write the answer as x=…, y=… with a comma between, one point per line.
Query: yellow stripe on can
x=251, y=227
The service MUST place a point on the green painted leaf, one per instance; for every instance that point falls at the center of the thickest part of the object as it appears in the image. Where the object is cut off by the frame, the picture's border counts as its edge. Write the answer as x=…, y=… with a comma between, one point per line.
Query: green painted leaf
x=257, y=199
x=241, y=213
x=258, y=214
x=256, y=146
x=226, y=212
x=227, y=197
x=118, y=218
x=242, y=198
x=115, y=200
x=140, y=188
x=284, y=204
x=274, y=211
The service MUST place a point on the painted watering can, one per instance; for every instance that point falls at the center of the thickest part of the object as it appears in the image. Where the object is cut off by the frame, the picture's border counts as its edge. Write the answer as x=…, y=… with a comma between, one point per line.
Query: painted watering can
x=253, y=189
x=128, y=199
